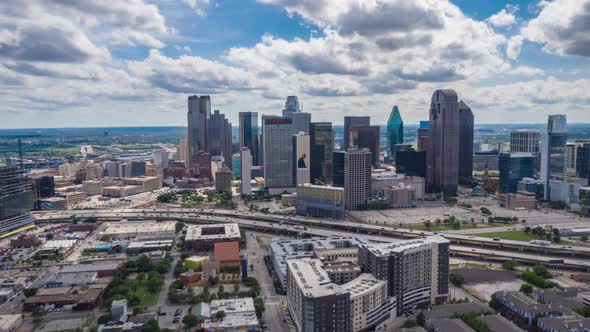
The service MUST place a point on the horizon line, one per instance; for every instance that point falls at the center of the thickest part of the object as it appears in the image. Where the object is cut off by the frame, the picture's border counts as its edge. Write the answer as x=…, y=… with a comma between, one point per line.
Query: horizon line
x=338, y=124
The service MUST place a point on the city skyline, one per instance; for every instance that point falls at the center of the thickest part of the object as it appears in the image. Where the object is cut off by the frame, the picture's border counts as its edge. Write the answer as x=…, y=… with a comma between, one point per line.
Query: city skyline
x=511, y=60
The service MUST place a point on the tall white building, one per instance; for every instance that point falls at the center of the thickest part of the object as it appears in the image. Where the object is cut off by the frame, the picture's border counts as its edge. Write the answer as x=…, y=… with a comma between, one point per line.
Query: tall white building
x=161, y=159
x=357, y=178
x=525, y=141
x=245, y=171
x=182, y=152
x=553, y=152
x=277, y=144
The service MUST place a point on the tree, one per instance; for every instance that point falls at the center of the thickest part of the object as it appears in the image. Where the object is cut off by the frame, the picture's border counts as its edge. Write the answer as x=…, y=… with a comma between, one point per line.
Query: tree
x=140, y=277
x=179, y=226
x=495, y=304
x=220, y=289
x=190, y=321
x=151, y=326
x=38, y=314
x=220, y=314
x=28, y=292
x=509, y=265
x=427, y=224
x=484, y=210
x=104, y=319
x=526, y=288
x=420, y=318
x=143, y=264
x=154, y=283
x=236, y=288
x=456, y=279
x=527, y=229
x=259, y=306
x=584, y=238
x=541, y=271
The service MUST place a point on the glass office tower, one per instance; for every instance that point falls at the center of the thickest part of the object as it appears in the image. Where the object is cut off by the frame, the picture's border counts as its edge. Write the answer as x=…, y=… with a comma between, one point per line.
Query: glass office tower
x=395, y=131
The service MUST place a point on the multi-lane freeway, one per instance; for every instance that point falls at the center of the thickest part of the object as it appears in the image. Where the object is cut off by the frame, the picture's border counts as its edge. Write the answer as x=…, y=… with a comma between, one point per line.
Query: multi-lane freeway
x=573, y=257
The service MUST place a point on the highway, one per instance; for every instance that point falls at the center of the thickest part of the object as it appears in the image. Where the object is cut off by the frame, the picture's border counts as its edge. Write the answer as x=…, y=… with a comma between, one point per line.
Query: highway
x=462, y=245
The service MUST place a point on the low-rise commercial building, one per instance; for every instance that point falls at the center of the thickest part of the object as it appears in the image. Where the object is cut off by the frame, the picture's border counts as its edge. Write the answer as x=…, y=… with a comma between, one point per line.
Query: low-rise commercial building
x=9, y=323
x=203, y=237
x=520, y=200
x=53, y=203
x=524, y=310
x=320, y=201
x=24, y=241
x=77, y=297
x=240, y=315
x=92, y=187
x=73, y=198
x=140, y=230
x=388, y=179
x=289, y=200
x=138, y=247
x=563, y=324
x=63, y=247
x=121, y=191
x=102, y=269
x=71, y=279
x=400, y=197
x=227, y=254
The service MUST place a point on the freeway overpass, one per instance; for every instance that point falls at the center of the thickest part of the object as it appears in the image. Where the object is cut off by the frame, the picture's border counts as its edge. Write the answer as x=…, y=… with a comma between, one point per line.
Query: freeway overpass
x=463, y=245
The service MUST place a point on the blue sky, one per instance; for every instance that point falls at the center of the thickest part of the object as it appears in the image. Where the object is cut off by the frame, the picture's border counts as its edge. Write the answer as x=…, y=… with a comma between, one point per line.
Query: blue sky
x=134, y=62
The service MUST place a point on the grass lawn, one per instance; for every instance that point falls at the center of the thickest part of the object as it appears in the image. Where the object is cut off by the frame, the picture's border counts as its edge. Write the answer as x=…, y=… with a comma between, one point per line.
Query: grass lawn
x=147, y=298
x=444, y=227
x=515, y=236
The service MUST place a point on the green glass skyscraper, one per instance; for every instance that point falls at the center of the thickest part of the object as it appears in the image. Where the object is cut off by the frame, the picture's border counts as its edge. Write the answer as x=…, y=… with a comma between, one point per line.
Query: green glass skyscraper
x=395, y=131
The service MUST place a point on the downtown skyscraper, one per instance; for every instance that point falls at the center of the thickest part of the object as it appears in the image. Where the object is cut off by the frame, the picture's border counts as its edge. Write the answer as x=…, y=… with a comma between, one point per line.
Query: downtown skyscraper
x=279, y=161
x=465, y=144
x=321, y=146
x=367, y=137
x=349, y=122
x=443, y=143
x=249, y=134
x=357, y=178
x=553, y=151
x=395, y=131
x=219, y=137
x=199, y=112
x=292, y=110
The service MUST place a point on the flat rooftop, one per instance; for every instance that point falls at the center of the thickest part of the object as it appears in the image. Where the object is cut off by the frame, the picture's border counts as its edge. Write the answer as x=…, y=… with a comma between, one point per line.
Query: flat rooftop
x=385, y=249
x=364, y=283
x=58, y=244
x=233, y=306
x=312, y=279
x=212, y=232
x=116, y=228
